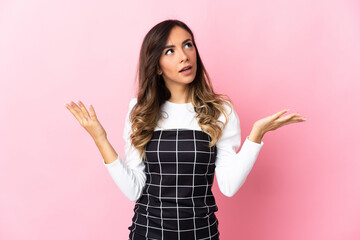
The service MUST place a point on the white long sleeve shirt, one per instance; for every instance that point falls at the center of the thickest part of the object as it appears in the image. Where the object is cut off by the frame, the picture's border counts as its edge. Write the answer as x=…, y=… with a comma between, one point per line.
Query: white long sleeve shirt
x=231, y=168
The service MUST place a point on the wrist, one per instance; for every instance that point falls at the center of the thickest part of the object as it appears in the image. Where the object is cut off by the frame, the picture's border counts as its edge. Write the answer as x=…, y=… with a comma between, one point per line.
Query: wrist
x=100, y=139
x=256, y=135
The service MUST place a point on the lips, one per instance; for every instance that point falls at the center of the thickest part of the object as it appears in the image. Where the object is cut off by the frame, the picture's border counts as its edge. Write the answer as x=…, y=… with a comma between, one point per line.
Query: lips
x=185, y=68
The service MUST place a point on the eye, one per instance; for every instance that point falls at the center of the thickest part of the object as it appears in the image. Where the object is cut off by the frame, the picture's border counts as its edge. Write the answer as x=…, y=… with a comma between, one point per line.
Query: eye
x=190, y=45
x=167, y=51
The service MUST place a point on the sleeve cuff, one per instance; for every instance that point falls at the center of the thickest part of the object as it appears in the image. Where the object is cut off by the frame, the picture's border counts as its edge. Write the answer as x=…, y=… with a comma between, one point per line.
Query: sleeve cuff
x=248, y=141
x=114, y=163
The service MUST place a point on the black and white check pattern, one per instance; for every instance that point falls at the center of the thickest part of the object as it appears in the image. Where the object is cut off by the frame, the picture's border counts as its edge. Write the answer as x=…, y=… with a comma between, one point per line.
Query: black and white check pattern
x=177, y=201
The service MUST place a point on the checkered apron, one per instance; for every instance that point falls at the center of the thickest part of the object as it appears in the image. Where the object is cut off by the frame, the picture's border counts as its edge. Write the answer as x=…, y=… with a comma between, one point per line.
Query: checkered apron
x=177, y=201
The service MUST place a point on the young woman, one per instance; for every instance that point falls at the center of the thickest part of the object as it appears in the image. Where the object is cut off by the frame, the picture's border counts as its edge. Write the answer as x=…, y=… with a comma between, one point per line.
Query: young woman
x=179, y=133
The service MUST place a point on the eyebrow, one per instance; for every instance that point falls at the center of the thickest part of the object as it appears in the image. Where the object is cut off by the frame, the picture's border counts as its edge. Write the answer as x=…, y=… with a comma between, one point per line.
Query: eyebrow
x=170, y=46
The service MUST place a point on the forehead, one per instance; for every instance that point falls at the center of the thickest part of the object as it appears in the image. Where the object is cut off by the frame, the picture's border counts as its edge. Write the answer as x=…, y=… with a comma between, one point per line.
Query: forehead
x=177, y=36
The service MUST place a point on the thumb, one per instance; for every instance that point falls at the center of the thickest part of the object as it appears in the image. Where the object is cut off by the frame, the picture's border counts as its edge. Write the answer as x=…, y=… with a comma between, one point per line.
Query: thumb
x=92, y=111
x=278, y=114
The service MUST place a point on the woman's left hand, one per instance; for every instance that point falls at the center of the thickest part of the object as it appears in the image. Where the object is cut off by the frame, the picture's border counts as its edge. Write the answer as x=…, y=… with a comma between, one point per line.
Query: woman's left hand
x=275, y=121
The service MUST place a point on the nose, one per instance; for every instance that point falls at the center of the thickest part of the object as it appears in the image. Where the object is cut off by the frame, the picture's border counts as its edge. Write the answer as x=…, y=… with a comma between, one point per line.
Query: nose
x=183, y=56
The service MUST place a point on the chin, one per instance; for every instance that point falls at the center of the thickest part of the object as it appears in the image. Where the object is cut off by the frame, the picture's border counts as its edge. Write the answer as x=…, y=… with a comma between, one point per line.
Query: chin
x=189, y=80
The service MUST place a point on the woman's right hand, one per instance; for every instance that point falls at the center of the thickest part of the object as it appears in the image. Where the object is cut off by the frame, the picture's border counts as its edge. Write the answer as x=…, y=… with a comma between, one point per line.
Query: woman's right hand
x=86, y=120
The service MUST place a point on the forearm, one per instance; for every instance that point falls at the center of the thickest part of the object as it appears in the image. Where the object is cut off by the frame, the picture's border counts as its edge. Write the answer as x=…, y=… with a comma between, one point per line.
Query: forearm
x=233, y=169
x=107, y=151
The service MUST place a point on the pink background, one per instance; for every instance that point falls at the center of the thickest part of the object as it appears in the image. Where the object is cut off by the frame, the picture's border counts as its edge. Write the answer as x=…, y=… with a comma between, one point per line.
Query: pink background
x=266, y=55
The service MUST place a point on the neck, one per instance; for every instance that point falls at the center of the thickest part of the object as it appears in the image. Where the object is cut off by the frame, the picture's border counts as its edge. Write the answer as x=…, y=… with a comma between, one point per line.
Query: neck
x=179, y=94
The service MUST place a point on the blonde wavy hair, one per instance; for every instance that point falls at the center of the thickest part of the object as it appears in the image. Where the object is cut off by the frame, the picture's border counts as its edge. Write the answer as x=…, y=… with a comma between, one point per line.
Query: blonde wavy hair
x=152, y=92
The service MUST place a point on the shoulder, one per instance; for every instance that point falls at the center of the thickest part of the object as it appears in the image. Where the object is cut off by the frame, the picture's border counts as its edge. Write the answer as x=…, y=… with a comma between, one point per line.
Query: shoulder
x=230, y=136
x=132, y=103
x=229, y=111
x=228, y=106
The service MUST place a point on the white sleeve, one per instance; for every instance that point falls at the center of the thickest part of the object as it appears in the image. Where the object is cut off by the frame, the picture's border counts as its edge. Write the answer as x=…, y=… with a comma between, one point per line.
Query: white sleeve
x=232, y=168
x=129, y=176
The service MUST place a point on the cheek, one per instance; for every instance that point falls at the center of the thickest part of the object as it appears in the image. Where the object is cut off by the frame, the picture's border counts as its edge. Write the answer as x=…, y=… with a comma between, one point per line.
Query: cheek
x=168, y=66
x=194, y=57
x=194, y=53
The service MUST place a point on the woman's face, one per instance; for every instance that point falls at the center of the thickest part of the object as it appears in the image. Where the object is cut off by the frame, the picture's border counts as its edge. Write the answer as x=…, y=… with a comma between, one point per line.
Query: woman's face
x=179, y=52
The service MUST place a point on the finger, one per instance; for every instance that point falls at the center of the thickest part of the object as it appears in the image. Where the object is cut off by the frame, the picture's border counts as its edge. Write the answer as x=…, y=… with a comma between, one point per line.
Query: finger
x=84, y=110
x=71, y=109
x=294, y=117
x=278, y=114
x=77, y=109
x=92, y=112
x=290, y=116
x=299, y=119
x=294, y=120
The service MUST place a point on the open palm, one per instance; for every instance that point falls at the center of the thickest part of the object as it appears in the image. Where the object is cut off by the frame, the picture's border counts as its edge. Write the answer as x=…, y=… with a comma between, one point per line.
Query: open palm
x=275, y=121
x=87, y=120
